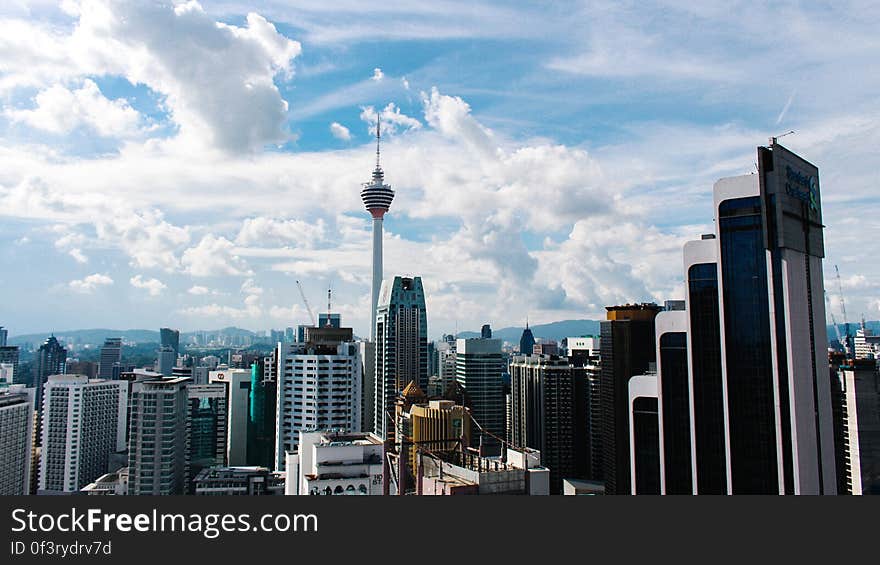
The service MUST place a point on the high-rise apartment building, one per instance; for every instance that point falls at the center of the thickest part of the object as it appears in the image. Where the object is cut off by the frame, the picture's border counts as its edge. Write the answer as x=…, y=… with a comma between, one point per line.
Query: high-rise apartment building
x=83, y=424
x=111, y=359
x=159, y=436
x=16, y=439
x=543, y=399
x=318, y=387
x=479, y=365
x=401, y=346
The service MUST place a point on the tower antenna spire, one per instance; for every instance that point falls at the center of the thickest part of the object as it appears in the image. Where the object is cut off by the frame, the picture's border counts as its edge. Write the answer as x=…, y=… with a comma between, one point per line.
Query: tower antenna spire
x=378, y=138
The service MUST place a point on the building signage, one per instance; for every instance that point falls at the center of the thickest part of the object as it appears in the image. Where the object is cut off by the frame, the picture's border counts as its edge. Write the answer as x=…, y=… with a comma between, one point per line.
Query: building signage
x=803, y=187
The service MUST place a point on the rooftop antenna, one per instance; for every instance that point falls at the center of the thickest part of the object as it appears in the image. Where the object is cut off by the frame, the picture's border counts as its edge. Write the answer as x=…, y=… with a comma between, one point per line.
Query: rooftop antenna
x=378, y=138
x=329, y=291
x=773, y=139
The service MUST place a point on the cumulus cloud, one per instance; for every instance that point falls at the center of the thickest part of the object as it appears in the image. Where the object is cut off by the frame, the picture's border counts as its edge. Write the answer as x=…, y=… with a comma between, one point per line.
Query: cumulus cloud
x=59, y=110
x=264, y=231
x=216, y=79
x=451, y=116
x=148, y=239
x=339, y=131
x=197, y=290
x=90, y=283
x=392, y=119
x=213, y=256
x=377, y=74
x=153, y=286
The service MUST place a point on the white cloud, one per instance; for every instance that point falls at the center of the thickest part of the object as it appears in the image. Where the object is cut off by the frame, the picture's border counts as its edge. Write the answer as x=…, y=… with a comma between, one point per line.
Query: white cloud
x=392, y=118
x=377, y=74
x=153, y=286
x=90, y=283
x=339, y=131
x=213, y=256
x=262, y=231
x=60, y=111
x=197, y=290
x=217, y=80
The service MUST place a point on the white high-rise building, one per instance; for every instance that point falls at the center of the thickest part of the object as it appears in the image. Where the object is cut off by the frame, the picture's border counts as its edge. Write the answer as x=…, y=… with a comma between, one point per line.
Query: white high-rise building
x=319, y=388
x=16, y=439
x=83, y=424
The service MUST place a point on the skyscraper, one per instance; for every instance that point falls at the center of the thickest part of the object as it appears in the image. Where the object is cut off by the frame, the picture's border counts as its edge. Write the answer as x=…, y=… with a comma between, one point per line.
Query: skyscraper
x=858, y=416
x=377, y=197
x=774, y=344
x=158, y=447
x=83, y=423
x=401, y=347
x=166, y=361
x=171, y=338
x=16, y=440
x=318, y=387
x=478, y=368
x=627, y=349
x=238, y=383
x=543, y=407
x=644, y=436
x=50, y=360
x=207, y=425
x=9, y=354
x=526, y=341
x=111, y=359
x=674, y=412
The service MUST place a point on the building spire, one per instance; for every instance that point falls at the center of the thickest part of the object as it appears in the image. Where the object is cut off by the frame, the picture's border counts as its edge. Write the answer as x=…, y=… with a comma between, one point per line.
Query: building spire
x=378, y=138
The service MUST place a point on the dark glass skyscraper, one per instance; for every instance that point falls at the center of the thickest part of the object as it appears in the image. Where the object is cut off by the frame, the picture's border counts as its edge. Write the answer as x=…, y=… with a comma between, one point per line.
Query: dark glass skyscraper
x=526, y=341
x=50, y=360
x=627, y=349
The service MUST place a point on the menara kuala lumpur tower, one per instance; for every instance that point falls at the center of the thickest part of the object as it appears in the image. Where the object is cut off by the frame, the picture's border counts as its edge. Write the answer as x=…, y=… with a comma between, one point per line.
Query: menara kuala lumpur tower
x=377, y=197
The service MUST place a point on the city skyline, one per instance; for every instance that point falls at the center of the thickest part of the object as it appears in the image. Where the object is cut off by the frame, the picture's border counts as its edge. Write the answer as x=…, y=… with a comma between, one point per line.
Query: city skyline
x=546, y=180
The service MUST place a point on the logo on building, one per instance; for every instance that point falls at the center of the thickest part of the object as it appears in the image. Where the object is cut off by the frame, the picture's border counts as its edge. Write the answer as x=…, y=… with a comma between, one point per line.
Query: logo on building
x=803, y=187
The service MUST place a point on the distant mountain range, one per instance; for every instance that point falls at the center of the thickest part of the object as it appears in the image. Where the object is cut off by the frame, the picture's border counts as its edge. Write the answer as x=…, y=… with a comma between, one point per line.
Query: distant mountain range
x=553, y=330
x=97, y=336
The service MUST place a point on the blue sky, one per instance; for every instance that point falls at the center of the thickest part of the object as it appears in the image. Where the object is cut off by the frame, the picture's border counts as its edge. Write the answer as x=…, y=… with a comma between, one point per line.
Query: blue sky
x=183, y=164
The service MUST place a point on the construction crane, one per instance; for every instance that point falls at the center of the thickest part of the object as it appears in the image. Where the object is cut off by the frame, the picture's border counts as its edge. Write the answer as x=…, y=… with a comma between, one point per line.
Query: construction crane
x=834, y=322
x=306, y=302
x=848, y=345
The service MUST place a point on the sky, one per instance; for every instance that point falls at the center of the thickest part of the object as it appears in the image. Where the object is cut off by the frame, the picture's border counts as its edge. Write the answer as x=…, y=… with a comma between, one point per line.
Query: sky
x=183, y=164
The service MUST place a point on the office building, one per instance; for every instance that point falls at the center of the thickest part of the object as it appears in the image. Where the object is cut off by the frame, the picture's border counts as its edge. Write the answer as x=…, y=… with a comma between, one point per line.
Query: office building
x=377, y=197
x=110, y=363
x=544, y=403
x=166, y=361
x=159, y=436
x=262, y=405
x=318, y=387
x=170, y=338
x=83, y=425
x=401, y=346
x=237, y=383
x=239, y=481
x=627, y=349
x=857, y=415
x=779, y=436
x=367, y=351
x=708, y=440
x=526, y=341
x=9, y=355
x=644, y=435
x=866, y=344
x=676, y=473
x=16, y=439
x=334, y=463
x=479, y=365
x=437, y=426
x=445, y=366
x=486, y=331
x=50, y=360
x=207, y=425
x=3, y=336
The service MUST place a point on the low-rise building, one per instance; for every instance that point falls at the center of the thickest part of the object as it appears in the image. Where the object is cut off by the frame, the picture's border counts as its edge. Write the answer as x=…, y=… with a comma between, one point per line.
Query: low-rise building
x=336, y=463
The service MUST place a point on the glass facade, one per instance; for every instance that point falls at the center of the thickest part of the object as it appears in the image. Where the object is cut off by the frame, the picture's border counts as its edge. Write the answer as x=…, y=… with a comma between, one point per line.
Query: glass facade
x=753, y=458
x=708, y=386
x=676, y=413
x=646, y=440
